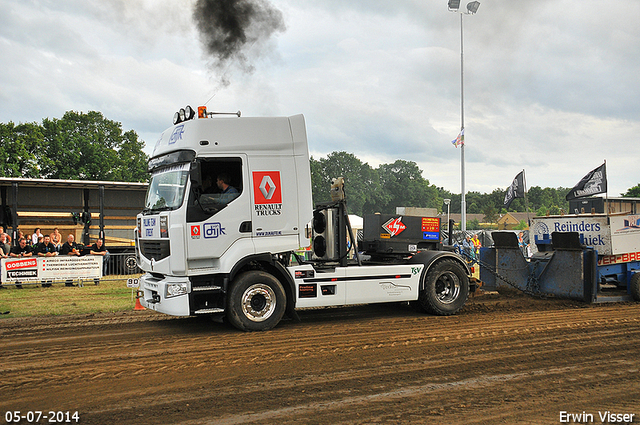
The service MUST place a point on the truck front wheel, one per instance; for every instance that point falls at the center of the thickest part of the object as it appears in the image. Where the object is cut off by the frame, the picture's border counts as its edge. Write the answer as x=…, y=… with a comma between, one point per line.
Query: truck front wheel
x=446, y=288
x=634, y=286
x=256, y=301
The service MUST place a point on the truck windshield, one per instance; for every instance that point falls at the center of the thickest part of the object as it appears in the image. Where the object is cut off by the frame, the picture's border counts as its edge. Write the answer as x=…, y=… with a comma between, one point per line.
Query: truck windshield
x=167, y=188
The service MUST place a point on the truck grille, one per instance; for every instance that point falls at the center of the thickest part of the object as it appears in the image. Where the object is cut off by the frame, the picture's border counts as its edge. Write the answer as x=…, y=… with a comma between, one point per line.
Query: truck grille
x=155, y=249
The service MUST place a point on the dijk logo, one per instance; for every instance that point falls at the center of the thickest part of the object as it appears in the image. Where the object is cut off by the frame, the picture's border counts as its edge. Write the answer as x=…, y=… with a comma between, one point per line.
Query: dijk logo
x=266, y=187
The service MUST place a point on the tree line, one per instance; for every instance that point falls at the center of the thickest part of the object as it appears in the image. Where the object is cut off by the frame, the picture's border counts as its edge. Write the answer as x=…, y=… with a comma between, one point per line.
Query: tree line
x=401, y=184
x=78, y=146
x=88, y=146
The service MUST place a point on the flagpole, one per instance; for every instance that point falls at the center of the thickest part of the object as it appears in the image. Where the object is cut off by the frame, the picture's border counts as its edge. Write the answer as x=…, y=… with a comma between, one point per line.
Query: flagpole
x=606, y=193
x=463, y=202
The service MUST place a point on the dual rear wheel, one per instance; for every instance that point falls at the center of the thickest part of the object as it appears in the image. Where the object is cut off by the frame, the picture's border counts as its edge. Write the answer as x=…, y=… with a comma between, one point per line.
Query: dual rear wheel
x=446, y=288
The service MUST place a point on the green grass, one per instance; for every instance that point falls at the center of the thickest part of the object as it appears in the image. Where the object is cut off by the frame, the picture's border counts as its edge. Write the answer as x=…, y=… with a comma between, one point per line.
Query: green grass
x=34, y=300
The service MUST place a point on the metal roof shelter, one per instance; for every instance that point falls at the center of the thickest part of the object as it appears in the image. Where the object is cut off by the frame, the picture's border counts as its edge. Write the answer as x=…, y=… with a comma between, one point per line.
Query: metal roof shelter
x=52, y=200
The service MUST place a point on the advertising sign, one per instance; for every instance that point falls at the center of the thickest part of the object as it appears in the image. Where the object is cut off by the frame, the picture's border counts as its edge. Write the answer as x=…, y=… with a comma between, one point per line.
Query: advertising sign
x=625, y=233
x=38, y=269
x=593, y=231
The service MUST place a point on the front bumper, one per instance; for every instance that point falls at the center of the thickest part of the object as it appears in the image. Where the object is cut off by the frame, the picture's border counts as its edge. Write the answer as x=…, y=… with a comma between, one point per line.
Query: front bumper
x=154, y=295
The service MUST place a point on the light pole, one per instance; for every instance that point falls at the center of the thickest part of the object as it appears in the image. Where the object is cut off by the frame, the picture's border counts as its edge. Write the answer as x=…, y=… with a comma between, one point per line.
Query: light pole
x=447, y=202
x=472, y=8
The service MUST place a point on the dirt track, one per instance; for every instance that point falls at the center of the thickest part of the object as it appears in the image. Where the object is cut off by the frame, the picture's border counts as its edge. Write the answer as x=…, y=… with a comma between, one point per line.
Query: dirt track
x=501, y=360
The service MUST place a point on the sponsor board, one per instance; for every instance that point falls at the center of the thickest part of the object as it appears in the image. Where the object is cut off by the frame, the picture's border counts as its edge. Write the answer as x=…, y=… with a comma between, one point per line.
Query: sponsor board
x=52, y=268
x=431, y=228
x=593, y=231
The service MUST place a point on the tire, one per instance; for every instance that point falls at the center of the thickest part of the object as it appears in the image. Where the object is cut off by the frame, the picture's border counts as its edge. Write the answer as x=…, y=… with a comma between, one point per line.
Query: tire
x=130, y=264
x=446, y=288
x=256, y=301
x=634, y=286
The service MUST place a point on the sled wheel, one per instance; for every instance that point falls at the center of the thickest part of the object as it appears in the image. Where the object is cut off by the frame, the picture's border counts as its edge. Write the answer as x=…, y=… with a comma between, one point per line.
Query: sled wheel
x=634, y=286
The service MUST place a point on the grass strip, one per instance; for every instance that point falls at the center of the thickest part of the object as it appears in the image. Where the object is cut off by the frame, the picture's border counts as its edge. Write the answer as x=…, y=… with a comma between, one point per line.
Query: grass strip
x=33, y=300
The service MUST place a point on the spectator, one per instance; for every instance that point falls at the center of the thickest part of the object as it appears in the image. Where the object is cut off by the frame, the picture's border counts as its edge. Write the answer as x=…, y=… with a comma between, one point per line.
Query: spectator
x=467, y=248
x=56, y=239
x=476, y=244
x=46, y=248
x=98, y=248
x=5, y=245
x=70, y=247
x=523, y=244
x=35, y=236
x=22, y=249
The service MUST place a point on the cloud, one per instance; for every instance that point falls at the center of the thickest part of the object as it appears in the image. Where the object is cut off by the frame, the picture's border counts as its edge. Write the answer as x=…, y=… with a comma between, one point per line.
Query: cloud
x=549, y=85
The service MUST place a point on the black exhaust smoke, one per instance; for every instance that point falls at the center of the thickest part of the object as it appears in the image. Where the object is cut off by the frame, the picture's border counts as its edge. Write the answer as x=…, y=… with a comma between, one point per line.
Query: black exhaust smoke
x=230, y=28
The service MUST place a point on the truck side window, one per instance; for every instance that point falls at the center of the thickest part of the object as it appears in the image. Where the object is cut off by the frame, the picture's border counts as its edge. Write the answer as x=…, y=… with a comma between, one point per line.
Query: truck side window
x=221, y=184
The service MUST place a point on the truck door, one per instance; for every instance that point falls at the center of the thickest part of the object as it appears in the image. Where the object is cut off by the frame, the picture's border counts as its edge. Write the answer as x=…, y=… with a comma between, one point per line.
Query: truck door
x=219, y=210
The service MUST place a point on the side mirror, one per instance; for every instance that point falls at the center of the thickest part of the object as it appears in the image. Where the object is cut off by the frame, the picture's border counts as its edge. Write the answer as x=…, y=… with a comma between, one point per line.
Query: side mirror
x=195, y=174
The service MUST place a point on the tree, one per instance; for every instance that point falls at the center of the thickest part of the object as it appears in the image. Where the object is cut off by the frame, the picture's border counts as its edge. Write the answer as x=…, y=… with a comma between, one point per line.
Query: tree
x=633, y=192
x=19, y=148
x=88, y=146
x=404, y=186
x=362, y=184
x=490, y=214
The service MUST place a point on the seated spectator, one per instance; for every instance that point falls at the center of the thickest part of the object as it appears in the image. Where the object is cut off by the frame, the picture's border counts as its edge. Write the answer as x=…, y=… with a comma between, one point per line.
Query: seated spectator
x=98, y=248
x=22, y=249
x=56, y=239
x=70, y=247
x=46, y=248
x=36, y=235
x=6, y=246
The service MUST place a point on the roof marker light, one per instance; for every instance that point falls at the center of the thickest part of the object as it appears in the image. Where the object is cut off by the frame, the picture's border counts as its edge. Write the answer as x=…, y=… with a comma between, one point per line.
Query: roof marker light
x=189, y=113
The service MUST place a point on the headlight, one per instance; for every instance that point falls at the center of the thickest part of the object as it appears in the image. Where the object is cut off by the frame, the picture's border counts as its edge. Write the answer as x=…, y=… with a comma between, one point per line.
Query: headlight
x=175, y=289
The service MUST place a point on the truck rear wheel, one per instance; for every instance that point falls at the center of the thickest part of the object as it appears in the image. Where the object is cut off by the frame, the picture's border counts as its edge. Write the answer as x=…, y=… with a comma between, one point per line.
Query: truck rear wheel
x=256, y=301
x=446, y=288
x=634, y=286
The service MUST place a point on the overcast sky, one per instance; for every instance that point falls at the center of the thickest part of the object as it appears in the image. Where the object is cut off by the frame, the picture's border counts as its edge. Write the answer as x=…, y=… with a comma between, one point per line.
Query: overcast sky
x=550, y=87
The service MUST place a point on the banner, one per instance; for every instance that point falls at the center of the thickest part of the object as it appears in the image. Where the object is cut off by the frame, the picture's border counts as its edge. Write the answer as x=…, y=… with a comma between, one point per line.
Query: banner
x=593, y=183
x=516, y=190
x=37, y=269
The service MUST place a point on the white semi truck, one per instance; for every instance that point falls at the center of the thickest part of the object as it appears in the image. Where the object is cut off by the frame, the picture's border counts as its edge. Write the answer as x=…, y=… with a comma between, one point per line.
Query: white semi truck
x=228, y=205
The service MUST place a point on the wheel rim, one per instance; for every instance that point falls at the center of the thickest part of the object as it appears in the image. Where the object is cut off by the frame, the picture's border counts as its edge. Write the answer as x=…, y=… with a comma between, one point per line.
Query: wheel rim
x=258, y=302
x=447, y=287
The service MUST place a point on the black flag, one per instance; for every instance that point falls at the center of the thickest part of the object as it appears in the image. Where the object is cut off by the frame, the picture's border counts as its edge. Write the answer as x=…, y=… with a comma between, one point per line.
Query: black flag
x=516, y=190
x=593, y=183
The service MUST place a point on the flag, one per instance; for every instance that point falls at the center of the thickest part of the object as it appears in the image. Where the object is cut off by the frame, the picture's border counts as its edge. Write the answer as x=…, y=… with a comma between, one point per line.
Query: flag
x=459, y=140
x=593, y=183
x=516, y=190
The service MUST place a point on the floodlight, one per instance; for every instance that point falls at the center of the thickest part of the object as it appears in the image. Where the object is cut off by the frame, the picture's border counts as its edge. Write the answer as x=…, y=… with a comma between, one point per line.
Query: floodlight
x=454, y=5
x=473, y=7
